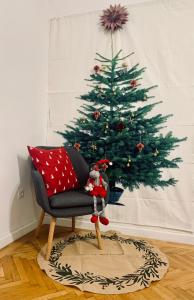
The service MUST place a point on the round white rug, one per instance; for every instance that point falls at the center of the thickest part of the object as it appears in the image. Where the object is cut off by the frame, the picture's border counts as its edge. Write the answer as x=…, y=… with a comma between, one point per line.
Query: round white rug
x=124, y=265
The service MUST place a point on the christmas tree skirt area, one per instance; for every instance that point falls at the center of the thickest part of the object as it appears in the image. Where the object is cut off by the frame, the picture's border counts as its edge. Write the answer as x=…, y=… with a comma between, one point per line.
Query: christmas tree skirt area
x=124, y=265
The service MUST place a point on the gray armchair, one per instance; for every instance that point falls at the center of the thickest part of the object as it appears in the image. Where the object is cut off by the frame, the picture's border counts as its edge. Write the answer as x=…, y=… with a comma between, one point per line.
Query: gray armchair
x=66, y=204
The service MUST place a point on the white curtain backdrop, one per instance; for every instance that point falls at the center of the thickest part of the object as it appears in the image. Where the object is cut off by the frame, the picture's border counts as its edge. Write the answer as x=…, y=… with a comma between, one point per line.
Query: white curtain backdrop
x=161, y=35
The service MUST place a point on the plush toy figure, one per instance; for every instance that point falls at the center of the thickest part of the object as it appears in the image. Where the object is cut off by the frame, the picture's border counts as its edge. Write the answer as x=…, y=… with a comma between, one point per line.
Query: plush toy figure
x=97, y=187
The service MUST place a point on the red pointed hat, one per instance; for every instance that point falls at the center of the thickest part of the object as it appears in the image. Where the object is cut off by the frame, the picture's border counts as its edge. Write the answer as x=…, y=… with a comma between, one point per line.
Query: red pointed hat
x=103, y=163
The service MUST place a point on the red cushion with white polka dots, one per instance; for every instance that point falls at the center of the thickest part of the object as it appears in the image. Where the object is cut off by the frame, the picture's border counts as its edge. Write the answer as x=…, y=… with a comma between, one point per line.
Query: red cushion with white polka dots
x=56, y=169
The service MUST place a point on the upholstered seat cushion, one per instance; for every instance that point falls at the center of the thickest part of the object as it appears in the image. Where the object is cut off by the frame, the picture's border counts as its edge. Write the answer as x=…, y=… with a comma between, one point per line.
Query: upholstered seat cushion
x=75, y=198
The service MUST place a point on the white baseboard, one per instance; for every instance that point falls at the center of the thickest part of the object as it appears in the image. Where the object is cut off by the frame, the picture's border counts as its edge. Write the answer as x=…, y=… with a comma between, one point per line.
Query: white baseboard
x=163, y=234
x=133, y=230
x=16, y=234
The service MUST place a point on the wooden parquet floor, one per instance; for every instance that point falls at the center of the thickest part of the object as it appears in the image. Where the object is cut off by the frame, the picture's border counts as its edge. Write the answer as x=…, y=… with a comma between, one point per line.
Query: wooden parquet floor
x=22, y=279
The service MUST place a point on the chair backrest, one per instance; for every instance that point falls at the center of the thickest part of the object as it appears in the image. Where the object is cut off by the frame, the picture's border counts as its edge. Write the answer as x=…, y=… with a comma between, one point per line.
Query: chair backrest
x=80, y=165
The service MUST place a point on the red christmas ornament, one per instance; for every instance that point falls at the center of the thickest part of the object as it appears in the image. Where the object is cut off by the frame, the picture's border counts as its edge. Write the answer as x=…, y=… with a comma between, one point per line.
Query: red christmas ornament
x=96, y=115
x=140, y=146
x=133, y=83
x=77, y=146
x=97, y=69
x=120, y=126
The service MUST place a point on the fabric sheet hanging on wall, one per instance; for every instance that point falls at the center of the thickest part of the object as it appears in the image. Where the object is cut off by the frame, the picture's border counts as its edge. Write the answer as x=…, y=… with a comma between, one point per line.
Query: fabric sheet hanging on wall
x=160, y=35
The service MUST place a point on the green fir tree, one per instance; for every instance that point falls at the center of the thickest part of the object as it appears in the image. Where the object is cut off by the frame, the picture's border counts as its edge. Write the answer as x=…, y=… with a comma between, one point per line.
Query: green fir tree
x=115, y=124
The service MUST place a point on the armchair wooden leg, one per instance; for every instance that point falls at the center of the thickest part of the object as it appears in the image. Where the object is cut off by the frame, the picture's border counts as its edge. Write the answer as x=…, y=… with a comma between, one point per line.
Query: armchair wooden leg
x=97, y=227
x=50, y=237
x=40, y=223
x=73, y=223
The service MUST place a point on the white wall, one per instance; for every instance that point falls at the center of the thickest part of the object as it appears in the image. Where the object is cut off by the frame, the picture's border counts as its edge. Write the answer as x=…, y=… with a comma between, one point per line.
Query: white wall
x=23, y=81
x=153, y=32
x=58, y=8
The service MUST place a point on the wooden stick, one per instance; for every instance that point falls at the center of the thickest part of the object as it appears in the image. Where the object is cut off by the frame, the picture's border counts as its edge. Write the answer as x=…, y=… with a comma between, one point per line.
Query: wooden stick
x=39, y=223
x=97, y=227
x=50, y=237
x=73, y=224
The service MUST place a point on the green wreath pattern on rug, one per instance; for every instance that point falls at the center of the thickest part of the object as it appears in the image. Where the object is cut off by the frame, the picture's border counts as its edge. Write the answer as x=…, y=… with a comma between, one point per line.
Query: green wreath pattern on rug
x=144, y=274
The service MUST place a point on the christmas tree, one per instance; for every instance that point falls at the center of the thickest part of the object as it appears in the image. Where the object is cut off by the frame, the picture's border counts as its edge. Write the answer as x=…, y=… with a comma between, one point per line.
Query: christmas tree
x=116, y=123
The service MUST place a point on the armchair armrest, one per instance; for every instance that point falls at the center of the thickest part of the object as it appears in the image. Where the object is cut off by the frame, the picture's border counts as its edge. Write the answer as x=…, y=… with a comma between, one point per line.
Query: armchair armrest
x=40, y=191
